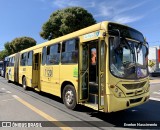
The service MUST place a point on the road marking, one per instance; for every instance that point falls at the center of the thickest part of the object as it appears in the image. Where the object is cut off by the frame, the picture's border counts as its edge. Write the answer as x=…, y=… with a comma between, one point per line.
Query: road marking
x=156, y=99
x=7, y=100
x=156, y=93
x=155, y=83
x=8, y=92
x=44, y=115
x=3, y=89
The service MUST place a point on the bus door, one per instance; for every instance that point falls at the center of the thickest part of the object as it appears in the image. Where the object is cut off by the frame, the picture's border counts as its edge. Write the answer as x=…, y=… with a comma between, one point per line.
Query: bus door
x=36, y=70
x=83, y=72
x=16, y=68
x=92, y=72
x=101, y=73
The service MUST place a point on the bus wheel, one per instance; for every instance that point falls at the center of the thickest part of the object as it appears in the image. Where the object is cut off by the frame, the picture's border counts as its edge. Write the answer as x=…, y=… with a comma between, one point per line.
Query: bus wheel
x=69, y=97
x=24, y=83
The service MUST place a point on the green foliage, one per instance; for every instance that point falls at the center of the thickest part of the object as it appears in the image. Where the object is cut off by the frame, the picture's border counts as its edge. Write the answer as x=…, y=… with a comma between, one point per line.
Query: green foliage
x=17, y=45
x=9, y=48
x=22, y=43
x=66, y=21
x=3, y=54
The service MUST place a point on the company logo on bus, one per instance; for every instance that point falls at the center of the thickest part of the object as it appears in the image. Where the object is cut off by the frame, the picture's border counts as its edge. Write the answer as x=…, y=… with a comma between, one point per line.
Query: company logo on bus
x=136, y=92
x=91, y=35
x=139, y=73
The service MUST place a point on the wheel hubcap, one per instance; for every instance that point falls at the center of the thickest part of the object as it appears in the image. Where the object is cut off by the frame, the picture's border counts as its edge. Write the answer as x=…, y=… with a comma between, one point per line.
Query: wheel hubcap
x=69, y=97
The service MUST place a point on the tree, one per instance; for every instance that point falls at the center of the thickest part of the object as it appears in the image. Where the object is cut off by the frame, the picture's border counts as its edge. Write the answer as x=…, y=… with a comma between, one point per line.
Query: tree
x=9, y=48
x=17, y=45
x=22, y=43
x=3, y=54
x=66, y=21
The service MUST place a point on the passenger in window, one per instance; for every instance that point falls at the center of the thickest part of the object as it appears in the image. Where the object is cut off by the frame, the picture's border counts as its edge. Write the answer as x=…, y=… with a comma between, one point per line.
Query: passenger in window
x=93, y=56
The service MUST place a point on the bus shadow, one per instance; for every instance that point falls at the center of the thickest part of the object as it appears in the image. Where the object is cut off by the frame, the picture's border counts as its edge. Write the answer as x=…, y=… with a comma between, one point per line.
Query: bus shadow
x=43, y=94
x=146, y=113
x=47, y=95
x=79, y=108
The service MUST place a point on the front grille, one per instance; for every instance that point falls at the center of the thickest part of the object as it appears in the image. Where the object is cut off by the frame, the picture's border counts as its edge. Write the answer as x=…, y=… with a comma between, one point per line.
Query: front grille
x=134, y=86
x=135, y=93
x=130, y=93
x=135, y=100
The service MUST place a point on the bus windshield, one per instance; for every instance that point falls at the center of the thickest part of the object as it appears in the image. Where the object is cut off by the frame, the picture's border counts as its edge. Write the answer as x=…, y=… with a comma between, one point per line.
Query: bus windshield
x=129, y=60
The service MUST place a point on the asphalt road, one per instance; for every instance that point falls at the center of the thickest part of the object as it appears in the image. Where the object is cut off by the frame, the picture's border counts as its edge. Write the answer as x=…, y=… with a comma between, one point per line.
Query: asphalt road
x=31, y=107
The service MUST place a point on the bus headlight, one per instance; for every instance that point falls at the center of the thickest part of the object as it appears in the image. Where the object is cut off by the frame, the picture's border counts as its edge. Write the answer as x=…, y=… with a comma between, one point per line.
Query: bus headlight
x=120, y=94
x=117, y=92
x=116, y=89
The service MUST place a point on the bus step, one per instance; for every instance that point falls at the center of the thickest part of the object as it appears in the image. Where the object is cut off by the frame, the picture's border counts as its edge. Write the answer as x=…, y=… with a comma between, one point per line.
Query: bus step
x=93, y=98
x=37, y=89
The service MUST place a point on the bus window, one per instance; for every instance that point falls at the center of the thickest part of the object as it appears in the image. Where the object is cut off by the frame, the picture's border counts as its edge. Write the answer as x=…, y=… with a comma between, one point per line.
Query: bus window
x=44, y=51
x=53, y=54
x=70, y=51
x=12, y=62
x=24, y=59
x=30, y=57
x=9, y=61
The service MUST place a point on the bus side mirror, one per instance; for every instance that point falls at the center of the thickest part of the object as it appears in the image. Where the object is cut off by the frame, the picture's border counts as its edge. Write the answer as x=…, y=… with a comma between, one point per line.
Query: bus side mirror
x=116, y=40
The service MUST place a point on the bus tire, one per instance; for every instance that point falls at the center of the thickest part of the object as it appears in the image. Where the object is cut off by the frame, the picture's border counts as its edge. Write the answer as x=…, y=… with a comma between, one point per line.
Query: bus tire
x=69, y=97
x=24, y=85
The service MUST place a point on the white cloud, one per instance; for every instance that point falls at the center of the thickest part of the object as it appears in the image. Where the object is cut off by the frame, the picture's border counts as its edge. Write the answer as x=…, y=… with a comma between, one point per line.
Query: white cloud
x=122, y=11
x=126, y=19
x=129, y=8
x=63, y=3
x=69, y=3
x=119, y=11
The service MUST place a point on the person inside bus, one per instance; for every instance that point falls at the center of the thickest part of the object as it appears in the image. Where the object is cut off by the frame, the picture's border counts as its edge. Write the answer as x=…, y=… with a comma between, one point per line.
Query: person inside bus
x=93, y=65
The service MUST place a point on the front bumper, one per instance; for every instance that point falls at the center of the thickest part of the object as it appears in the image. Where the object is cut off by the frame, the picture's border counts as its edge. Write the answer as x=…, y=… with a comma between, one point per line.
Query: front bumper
x=117, y=104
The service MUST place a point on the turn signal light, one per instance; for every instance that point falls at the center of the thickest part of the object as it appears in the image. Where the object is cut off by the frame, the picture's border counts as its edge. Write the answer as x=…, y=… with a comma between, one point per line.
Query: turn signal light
x=112, y=86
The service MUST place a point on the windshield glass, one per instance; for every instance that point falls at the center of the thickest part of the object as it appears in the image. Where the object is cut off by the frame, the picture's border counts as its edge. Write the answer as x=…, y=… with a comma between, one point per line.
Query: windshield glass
x=126, y=32
x=129, y=60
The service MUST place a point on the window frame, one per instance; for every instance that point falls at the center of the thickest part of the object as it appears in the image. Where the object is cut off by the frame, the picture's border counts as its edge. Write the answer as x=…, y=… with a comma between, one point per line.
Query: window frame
x=58, y=52
x=26, y=60
x=29, y=58
x=75, y=51
x=44, y=62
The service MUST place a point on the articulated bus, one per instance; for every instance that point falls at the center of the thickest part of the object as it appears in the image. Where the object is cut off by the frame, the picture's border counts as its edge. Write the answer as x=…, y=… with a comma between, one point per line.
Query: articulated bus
x=3, y=65
x=103, y=66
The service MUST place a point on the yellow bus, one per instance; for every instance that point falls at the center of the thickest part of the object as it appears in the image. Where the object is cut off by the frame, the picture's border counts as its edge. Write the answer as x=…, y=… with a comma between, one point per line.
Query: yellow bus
x=10, y=75
x=103, y=66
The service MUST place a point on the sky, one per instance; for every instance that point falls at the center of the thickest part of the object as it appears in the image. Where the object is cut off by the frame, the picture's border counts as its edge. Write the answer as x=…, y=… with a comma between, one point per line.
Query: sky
x=25, y=17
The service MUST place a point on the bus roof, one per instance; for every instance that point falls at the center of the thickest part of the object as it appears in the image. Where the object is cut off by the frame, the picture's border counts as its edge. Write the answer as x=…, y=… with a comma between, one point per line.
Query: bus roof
x=86, y=30
x=11, y=55
x=92, y=28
